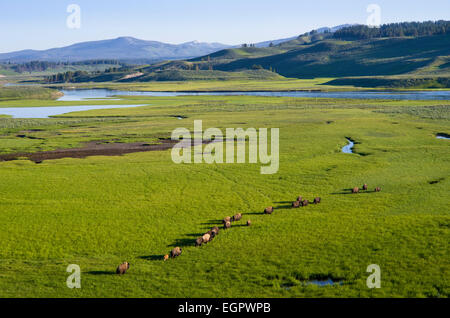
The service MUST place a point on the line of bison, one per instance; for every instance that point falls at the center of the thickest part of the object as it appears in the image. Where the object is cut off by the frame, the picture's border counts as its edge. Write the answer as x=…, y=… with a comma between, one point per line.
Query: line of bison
x=208, y=236
x=365, y=188
x=226, y=222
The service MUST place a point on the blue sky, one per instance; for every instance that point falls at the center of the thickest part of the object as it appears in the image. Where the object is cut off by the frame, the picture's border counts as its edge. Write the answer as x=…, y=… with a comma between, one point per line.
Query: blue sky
x=26, y=24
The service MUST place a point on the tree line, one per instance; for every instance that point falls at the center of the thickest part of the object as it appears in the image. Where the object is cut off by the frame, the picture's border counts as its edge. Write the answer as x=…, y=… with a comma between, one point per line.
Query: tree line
x=67, y=77
x=41, y=66
x=80, y=76
x=360, y=32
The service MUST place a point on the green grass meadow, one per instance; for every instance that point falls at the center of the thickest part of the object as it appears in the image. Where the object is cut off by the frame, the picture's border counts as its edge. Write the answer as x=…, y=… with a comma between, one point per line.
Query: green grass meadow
x=100, y=211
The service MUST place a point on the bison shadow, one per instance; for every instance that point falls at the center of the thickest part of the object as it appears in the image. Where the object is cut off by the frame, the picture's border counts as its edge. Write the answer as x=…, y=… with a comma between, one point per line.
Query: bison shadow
x=349, y=191
x=238, y=225
x=212, y=222
x=286, y=206
x=195, y=234
x=152, y=257
x=183, y=242
x=346, y=192
x=101, y=272
x=253, y=213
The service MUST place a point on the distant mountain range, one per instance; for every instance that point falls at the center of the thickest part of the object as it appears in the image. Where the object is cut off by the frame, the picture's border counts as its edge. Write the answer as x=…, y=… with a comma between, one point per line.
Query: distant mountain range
x=122, y=48
x=129, y=49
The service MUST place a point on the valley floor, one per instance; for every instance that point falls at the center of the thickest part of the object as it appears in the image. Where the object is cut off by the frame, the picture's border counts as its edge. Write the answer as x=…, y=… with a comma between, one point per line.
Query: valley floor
x=100, y=211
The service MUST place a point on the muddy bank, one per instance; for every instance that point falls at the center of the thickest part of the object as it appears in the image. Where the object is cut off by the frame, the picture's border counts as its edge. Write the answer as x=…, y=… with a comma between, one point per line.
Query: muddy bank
x=101, y=148
x=92, y=149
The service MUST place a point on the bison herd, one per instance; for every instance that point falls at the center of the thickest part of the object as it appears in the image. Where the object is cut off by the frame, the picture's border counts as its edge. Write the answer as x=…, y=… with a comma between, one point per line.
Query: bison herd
x=214, y=231
x=227, y=221
x=208, y=236
x=304, y=202
x=365, y=187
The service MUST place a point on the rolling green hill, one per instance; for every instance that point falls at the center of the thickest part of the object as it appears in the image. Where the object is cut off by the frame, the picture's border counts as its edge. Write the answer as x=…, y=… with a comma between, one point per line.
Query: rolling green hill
x=305, y=57
x=337, y=58
x=173, y=74
x=420, y=52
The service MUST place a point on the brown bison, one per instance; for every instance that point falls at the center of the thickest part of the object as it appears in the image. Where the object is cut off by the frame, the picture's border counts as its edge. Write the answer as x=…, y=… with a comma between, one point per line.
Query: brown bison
x=295, y=204
x=355, y=190
x=249, y=223
x=122, y=268
x=317, y=200
x=166, y=257
x=212, y=234
x=237, y=217
x=299, y=198
x=365, y=187
x=227, y=219
x=305, y=202
x=377, y=189
x=268, y=210
x=199, y=241
x=215, y=230
x=206, y=238
x=227, y=225
x=175, y=252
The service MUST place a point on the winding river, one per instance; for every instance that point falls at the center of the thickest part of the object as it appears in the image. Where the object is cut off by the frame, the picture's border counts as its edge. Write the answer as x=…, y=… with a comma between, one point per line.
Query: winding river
x=45, y=112
x=443, y=136
x=81, y=94
x=349, y=147
x=107, y=94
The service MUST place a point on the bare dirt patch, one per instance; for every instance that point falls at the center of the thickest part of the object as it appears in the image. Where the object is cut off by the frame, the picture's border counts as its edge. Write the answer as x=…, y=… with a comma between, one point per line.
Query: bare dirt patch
x=92, y=149
x=100, y=148
x=132, y=75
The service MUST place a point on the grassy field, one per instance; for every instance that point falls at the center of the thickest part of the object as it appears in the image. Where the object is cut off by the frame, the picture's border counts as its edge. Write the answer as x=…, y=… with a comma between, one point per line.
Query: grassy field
x=283, y=84
x=101, y=211
x=396, y=82
x=23, y=92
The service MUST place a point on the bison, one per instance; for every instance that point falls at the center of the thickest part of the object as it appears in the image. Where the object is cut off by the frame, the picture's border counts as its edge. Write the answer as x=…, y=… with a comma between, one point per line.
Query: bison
x=206, y=238
x=317, y=200
x=249, y=223
x=175, y=252
x=212, y=234
x=305, y=202
x=377, y=189
x=299, y=198
x=355, y=190
x=268, y=210
x=237, y=217
x=295, y=204
x=122, y=268
x=227, y=219
x=227, y=225
x=199, y=241
x=365, y=187
x=215, y=230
